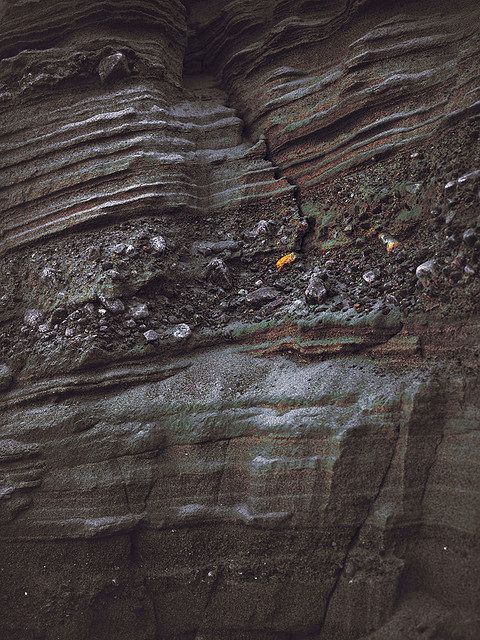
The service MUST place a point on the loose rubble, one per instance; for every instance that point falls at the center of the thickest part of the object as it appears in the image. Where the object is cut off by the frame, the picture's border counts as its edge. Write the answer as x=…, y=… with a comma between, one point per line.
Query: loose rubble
x=411, y=243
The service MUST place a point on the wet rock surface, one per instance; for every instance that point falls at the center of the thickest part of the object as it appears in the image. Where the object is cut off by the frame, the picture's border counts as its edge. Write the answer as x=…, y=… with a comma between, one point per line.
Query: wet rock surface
x=239, y=303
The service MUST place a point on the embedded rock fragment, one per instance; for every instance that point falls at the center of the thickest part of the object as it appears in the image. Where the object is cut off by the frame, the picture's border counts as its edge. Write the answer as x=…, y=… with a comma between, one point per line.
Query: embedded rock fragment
x=139, y=312
x=219, y=274
x=316, y=292
x=113, y=67
x=151, y=335
x=182, y=332
x=6, y=377
x=32, y=317
x=158, y=244
x=261, y=296
x=426, y=269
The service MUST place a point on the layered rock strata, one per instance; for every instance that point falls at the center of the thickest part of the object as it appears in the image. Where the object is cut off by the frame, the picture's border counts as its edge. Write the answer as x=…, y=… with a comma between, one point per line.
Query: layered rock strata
x=239, y=320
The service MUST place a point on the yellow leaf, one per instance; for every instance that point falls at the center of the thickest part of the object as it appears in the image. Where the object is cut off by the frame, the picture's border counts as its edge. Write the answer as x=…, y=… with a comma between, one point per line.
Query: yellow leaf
x=285, y=260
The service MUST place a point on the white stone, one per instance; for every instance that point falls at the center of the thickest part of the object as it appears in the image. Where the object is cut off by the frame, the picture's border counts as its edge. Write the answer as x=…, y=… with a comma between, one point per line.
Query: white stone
x=32, y=317
x=426, y=269
x=158, y=244
x=182, y=332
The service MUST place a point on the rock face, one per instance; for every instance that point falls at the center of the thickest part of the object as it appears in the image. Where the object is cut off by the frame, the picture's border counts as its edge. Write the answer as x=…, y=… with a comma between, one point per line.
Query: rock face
x=214, y=425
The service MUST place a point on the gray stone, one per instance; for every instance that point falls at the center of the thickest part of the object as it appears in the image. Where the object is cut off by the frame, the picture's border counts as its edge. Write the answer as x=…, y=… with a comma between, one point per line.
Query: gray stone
x=261, y=296
x=316, y=291
x=469, y=236
x=472, y=176
x=151, y=335
x=6, y=377
x=32, y=317
x=114, y=306
x=209, y=248
x=48, y=274
x=426, y=270
x=114, y=274
x=369, y=277
x=218, y=273
x=139, y=312
x=264, y=228
x=130, y=250
x=298, y=308
x=118, y=249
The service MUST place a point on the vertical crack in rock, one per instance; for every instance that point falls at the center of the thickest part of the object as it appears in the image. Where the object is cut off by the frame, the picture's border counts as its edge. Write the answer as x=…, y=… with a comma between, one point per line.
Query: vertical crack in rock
x=439, y=416
x=223, y=471
x=151, y=597
x=307, y=228
x=356, y=535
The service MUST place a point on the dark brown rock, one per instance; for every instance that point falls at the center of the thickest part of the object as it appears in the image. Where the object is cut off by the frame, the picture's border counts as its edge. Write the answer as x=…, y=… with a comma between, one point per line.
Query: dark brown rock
x=259, y=297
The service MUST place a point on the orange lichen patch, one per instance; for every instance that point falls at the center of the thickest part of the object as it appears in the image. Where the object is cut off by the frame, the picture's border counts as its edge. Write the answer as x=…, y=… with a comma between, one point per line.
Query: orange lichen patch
x=289, y=258
x=390, y=243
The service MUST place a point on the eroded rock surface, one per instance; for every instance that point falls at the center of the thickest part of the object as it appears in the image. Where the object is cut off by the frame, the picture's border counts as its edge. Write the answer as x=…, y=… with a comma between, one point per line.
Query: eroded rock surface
x=239, y=320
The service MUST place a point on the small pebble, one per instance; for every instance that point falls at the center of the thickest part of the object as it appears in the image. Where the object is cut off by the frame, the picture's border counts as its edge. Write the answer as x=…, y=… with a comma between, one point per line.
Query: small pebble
x=151, y=335
x=369, y=277
x=158, y=244
x=139, y=312
x=426, y=269
x=114, y=306
x=264, y=228
x=469, y=236
x=182, y=332
x=261, y=296
x=316, y=291
x=219, y=274
x=114, y=274
x=32, y=317
x=118, y=249
x=6, y=377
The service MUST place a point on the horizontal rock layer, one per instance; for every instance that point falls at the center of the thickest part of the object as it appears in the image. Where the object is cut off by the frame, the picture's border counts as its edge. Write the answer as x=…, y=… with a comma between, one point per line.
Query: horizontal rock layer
x=232, y=478
x=335, y=86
